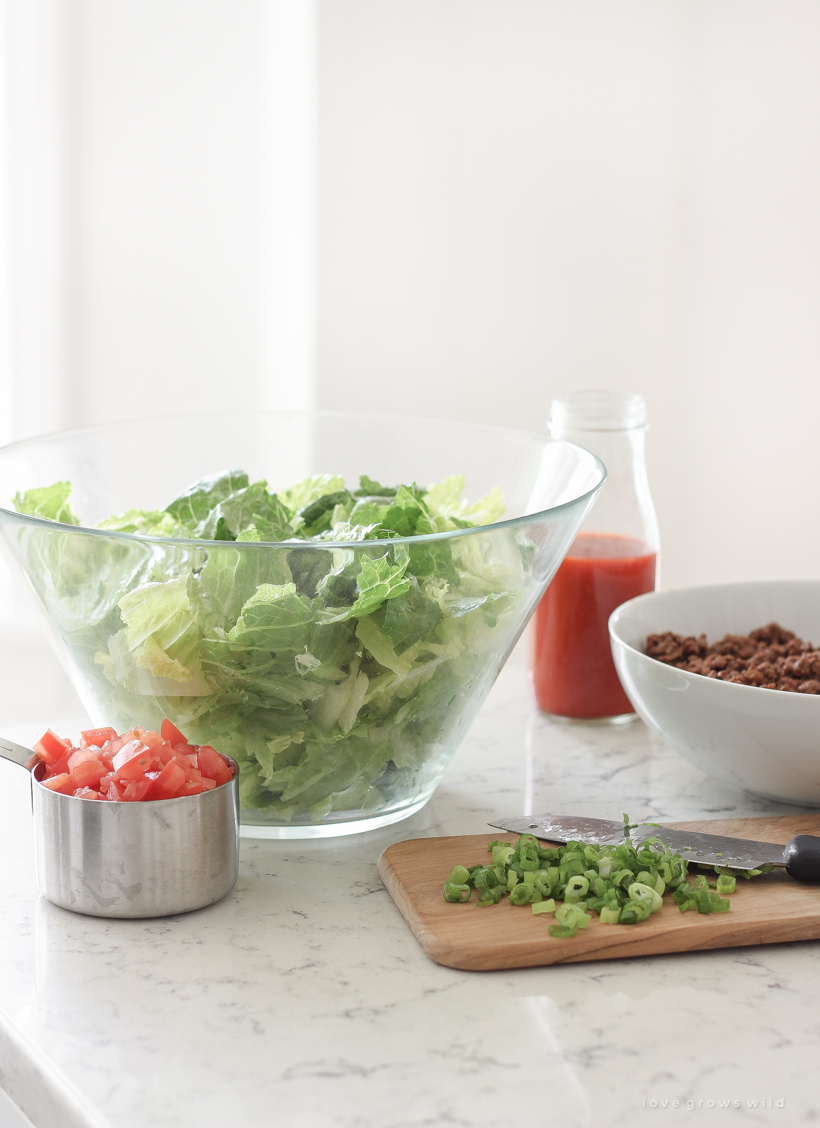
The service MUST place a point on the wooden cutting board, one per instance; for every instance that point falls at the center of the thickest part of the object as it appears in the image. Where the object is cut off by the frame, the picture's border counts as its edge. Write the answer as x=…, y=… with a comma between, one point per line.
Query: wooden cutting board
x=767, y=910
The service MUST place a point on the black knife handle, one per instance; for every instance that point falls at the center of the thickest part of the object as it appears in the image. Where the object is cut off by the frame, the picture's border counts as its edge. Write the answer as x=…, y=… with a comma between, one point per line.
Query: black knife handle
x=803, y=858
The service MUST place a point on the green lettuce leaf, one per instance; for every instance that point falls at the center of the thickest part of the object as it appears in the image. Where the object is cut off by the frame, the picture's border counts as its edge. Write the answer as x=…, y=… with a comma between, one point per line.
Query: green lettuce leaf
x=369, y=487
x=148, y=523
x=407, y=618
x=195, y=504
x=250, y=507
x=275, y=618
x=309, y=490
x=369, y=511
x=230, y=577
x=161, y=628
x=445, y=503
x=378, y=580
x=50, y=502
x=444, y=498
x=317, y=517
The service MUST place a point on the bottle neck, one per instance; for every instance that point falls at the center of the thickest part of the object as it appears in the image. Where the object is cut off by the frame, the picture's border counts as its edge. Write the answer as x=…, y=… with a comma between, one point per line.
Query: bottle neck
x=612, y=426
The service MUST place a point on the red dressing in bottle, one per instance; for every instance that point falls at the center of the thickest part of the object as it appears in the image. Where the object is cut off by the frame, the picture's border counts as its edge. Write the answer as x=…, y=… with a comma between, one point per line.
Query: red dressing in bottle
x=613, y=559
x=573, y=674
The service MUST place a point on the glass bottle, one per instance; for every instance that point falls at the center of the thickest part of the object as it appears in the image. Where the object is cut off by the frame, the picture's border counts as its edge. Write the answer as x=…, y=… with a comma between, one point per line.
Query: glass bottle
x=613, y=558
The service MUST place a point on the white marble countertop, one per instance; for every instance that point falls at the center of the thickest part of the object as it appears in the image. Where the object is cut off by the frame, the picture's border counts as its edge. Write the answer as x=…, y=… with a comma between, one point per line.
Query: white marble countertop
x=304, y=1001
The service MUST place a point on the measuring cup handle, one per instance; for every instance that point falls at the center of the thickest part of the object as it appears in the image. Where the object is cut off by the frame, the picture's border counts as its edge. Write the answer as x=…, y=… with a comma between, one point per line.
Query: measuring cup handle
x=14, y=752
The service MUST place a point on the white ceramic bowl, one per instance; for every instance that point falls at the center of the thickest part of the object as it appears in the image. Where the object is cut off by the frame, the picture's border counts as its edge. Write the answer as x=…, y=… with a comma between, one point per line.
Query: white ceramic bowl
x=763, y=740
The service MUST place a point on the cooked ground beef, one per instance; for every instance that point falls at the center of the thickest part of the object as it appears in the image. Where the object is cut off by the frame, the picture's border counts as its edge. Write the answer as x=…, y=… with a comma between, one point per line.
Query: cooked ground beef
x=770, y=658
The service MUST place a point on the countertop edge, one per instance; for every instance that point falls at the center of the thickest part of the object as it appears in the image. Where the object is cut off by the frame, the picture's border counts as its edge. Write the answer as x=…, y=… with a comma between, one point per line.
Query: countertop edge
x=39, y=1089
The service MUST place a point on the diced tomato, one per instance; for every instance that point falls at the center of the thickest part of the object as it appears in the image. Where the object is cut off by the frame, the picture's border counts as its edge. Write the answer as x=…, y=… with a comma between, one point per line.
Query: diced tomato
x=139, y=765
x=171, y=733
x=64, y=784
x=61, y=765
x=168, y=783
x=165, y=752
x=190, y=771
x=127, y=752
x=50, y=747
x=212, y=765
x=88, y=773
x=136, y=766
x=115, y=790
x=81, y=756
x=98, y=736
x=136, y=789
x=121, y=741
x=184, y=762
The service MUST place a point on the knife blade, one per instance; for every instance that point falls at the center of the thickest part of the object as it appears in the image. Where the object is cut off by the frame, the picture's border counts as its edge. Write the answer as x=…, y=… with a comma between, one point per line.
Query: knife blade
x=702, y=849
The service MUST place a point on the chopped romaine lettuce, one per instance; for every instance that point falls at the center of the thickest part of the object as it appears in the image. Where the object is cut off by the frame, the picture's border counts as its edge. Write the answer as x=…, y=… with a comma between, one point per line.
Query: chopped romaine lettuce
x=339, y=673
x=50, y=502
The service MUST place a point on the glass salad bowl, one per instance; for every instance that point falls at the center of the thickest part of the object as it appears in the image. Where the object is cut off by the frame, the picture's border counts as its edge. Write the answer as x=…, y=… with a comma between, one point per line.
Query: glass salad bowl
x=333, y=633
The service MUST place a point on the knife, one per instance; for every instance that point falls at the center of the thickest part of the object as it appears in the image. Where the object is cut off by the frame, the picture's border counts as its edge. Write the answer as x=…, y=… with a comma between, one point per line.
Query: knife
x=800, y=857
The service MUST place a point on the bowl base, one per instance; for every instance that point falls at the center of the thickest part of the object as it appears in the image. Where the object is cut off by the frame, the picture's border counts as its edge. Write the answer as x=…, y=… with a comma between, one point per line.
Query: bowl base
x=330, y=830
x=617, y=719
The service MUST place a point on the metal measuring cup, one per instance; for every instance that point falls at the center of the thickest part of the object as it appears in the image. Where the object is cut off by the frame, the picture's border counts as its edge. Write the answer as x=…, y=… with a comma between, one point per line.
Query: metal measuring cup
x=146, y=859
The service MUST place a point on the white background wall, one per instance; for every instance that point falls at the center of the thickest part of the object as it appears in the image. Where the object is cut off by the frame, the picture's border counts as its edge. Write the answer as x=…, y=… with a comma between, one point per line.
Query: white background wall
x=160, y=186
x=528, y=196
x=442, y=207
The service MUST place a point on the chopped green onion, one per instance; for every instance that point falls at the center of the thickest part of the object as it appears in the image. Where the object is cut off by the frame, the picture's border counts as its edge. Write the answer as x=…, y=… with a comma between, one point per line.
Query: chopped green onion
x=749, y=874
x=633, y=913
x=521, y=894
x=644, y=895
x=570, y=917
x=623, y=883
x=606, y=865
x=623, y=878
x=576, y=889
x=610, y=916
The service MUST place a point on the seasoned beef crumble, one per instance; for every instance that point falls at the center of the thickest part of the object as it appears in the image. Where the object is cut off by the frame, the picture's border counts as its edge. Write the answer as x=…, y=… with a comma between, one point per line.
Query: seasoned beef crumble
x=770, y=658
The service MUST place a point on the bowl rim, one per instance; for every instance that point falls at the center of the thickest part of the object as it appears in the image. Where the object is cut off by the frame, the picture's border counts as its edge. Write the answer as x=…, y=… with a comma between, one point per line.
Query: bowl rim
x=186, y=542
x=701, y=679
